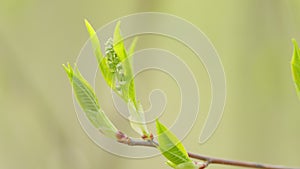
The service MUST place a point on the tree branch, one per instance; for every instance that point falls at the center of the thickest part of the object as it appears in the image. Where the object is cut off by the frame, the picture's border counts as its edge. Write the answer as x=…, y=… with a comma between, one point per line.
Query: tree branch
x=213, y=160
x=122, y=138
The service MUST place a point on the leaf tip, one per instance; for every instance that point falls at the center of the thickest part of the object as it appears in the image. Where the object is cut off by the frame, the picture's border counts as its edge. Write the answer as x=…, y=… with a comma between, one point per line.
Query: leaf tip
x=68, y=69
x=294, y=41
x=132, y=46
x=87, y=23
x=118, y=25
x=89, y=27
x=117, y=34
x=296, y=54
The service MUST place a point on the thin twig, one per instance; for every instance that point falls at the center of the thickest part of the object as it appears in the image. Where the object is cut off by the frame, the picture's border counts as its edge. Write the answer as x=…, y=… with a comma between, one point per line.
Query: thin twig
x=213, y=160
x=122, y=138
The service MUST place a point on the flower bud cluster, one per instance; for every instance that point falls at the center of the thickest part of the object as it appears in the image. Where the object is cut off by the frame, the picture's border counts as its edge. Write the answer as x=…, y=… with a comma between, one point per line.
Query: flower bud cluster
x=115, y=65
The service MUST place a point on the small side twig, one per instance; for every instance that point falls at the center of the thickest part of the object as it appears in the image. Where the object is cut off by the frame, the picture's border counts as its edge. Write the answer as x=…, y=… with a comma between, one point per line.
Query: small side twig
x=122, y=138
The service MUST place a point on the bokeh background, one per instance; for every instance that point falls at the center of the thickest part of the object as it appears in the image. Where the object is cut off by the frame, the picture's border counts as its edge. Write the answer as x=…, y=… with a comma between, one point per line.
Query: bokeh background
x=38, y=123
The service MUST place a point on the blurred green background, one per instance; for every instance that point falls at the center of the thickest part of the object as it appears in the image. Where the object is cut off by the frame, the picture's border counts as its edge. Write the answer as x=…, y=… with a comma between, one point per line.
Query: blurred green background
x=38, y=124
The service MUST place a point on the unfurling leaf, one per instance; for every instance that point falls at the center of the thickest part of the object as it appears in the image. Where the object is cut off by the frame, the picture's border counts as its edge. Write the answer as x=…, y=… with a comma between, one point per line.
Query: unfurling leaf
x=124, y=60
x=117, y=71
x=296, y=66
x=119, y=43
x=132, y=47
x=170, y=146
x=88, y=101
x=94, y=40
x=115, y=66
x=102, y=62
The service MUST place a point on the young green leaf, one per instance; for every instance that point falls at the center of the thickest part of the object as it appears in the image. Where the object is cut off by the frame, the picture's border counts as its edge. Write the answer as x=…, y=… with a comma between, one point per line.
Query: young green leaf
x=94, y=40
x=119, y=43
x=117, y=71
x=137, y=117
x=119, y=48
x=108, y=76
x=121, y=74
x=132, y=47
x=87, y=100
x=170, y=146
x=115, y=66
x=296, y=66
